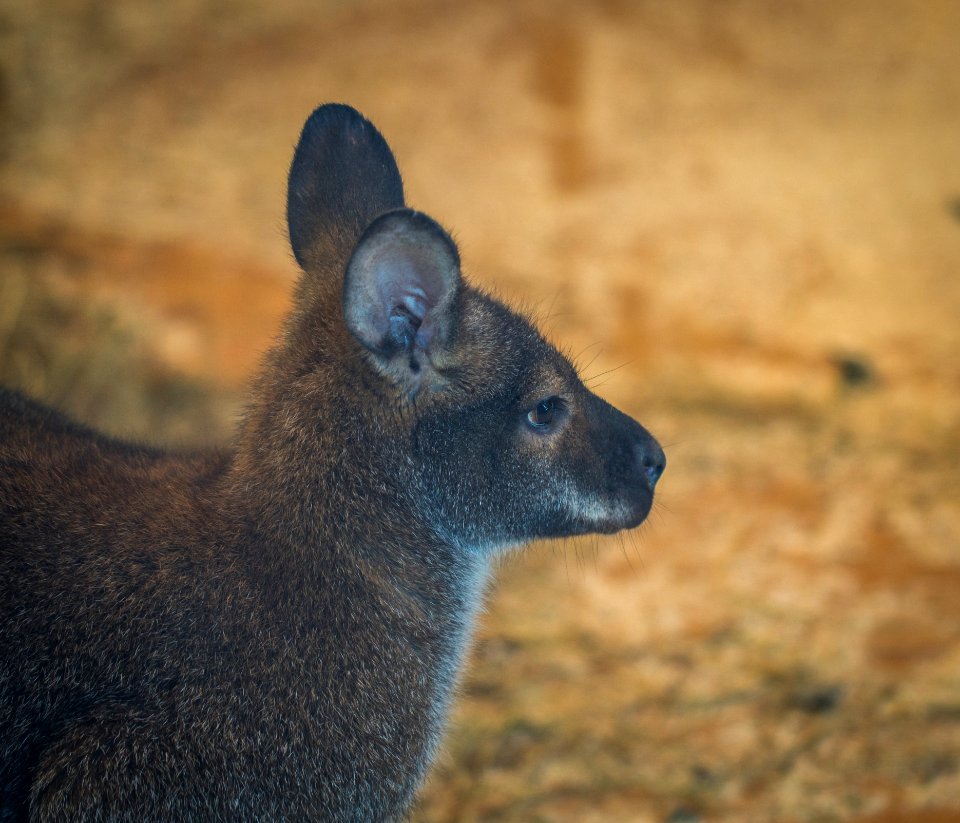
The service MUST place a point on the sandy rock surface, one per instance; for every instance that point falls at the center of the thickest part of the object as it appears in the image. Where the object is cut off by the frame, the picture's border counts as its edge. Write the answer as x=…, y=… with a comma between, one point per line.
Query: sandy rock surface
x=743, y=218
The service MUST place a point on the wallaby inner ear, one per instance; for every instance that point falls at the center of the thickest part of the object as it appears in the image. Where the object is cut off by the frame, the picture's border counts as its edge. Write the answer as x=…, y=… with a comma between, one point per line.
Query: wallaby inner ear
x=399, y=292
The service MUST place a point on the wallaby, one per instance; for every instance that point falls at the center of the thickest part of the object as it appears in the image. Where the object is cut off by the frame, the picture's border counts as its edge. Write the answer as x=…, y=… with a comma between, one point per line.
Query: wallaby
x=274, y=631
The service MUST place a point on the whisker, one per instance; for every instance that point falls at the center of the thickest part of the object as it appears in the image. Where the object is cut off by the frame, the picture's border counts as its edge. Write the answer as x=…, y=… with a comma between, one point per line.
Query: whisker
x=566, y=565
x=547, y=318
x=610, y=371
x=659, y=507
x=634, y=539
x=623, y=550
x=580, y=369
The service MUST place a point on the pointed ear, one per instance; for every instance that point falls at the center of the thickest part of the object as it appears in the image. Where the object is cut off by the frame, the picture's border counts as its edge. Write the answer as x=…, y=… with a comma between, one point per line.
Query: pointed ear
x=343, y=175
x=399, y=293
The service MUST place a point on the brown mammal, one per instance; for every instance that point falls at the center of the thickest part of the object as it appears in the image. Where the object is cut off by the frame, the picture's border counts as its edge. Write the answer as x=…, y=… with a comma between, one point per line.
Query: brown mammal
x=273, y=632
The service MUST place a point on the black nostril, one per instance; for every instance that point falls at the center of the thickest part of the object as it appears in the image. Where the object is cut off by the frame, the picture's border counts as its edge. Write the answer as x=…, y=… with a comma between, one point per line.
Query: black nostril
x=654, y=461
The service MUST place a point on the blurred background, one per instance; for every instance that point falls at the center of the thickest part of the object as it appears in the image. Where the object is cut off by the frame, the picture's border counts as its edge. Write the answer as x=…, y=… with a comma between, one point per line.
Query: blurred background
x=742, y=217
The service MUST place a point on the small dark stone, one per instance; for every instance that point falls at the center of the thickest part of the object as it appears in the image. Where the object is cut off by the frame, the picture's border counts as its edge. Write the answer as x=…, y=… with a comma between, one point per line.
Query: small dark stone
x=855, y=372
x=818, y=699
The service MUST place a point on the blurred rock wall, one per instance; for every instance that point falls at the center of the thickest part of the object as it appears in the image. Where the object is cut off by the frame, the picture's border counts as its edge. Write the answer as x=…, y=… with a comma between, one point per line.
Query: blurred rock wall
x=742, y=218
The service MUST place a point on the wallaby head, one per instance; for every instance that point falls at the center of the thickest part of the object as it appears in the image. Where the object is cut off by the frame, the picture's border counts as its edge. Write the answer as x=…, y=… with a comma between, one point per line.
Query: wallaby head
x=272, y=632
x=459, y=403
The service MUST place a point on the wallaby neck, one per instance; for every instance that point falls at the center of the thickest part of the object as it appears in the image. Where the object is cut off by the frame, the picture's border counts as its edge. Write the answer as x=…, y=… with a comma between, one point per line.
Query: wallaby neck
x=377, y=607
x=320, y=498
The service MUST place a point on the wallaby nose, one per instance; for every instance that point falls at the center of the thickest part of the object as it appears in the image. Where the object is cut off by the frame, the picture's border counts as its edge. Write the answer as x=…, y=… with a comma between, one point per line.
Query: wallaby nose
x=652, y=459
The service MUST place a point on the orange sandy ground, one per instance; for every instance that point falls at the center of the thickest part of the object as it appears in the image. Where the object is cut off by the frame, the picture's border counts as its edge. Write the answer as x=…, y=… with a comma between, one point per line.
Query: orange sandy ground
x=744, y=220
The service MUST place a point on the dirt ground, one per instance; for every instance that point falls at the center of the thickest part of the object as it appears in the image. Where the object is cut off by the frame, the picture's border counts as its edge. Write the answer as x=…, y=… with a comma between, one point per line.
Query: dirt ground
x=744, y=220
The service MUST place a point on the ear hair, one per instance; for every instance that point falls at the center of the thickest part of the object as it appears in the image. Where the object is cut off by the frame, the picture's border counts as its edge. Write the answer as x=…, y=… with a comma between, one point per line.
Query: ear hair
x=400, y=287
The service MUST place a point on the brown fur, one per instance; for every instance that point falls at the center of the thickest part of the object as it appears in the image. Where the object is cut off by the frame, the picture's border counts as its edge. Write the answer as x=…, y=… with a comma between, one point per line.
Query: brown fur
x=274, y=631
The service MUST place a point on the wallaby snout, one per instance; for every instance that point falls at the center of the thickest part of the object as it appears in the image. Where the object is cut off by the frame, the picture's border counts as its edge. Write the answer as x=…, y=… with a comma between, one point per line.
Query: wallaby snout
x=628, y=463
x=649, y=461
x=274, y=631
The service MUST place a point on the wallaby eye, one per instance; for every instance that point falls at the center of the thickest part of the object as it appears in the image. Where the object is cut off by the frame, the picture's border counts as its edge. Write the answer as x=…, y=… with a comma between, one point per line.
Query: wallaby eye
x=541, y=415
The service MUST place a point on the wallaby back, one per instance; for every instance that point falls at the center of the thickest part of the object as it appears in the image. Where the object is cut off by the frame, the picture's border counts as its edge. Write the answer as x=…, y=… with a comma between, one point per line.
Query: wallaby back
x=274, y=631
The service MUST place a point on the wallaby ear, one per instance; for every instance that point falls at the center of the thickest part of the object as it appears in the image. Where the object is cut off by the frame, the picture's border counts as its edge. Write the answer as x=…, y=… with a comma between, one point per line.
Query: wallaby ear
x=343, y=175
x=400, y=289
